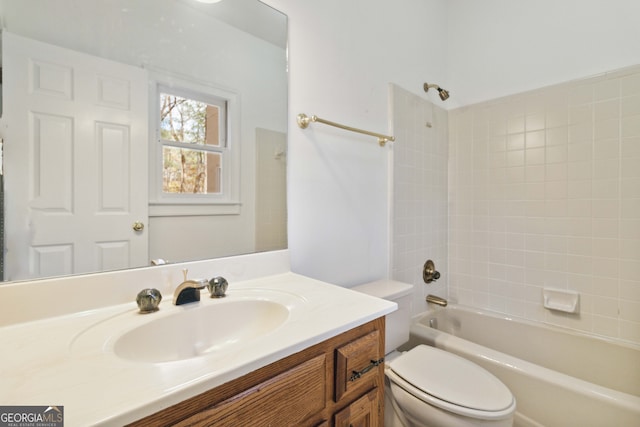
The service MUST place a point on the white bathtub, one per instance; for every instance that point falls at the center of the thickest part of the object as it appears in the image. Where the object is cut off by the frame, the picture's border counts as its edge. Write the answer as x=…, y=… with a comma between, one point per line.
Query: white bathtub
x=559, y=377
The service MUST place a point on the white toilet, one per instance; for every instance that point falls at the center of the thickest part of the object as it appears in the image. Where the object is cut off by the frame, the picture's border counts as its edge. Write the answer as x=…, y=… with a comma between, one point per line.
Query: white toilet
x=429, y=387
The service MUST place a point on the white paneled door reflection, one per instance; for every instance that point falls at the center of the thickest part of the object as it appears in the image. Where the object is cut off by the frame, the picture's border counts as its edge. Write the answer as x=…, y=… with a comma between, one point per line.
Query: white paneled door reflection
x=75, y=143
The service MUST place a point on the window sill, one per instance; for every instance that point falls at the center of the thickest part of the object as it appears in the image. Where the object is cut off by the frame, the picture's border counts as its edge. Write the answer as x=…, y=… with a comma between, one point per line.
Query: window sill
x=186, y=209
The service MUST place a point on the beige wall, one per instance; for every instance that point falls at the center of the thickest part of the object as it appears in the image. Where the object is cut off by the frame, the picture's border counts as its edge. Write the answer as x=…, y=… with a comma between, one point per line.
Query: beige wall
x=271, y=190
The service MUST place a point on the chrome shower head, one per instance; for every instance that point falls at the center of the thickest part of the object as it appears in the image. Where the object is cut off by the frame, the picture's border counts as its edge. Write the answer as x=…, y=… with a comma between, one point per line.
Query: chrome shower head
x=443, y=93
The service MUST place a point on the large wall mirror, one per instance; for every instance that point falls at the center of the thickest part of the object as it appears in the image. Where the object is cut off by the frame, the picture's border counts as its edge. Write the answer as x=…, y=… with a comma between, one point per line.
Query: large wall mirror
x=139, y=130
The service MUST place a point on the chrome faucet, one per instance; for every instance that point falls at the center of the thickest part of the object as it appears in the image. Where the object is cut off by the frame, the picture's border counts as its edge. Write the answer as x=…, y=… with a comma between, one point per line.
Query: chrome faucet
x=189, y=290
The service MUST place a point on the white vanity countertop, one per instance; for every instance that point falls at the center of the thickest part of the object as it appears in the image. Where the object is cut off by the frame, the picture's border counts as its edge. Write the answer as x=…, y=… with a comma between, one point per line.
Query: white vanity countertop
x=52, y=362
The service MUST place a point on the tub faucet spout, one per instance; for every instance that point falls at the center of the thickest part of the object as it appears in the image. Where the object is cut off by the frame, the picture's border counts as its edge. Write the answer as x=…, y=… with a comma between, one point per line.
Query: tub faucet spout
x=436, y=300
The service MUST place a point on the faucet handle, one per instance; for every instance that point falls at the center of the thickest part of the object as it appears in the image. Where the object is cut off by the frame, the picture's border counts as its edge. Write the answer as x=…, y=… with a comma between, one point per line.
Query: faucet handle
x=217, y=287
x=148, y=300
x=429, y=273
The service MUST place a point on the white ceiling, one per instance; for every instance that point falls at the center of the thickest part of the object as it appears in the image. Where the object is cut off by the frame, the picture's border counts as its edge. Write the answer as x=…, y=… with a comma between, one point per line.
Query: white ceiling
x=251, y=16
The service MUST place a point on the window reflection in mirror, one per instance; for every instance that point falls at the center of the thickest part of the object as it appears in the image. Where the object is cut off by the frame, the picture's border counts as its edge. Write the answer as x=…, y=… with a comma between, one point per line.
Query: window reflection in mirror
x=185, y=124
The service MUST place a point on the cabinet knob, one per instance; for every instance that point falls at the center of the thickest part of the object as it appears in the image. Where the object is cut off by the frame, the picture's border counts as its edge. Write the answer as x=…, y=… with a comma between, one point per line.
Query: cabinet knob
x=138, y=226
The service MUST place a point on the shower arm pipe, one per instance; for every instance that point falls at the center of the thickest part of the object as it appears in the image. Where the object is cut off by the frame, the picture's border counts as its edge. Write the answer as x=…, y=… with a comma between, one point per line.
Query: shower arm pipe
x=304, y=120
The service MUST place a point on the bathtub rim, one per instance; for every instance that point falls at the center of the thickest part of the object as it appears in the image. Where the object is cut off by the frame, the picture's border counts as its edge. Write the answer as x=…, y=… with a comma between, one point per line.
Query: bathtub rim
x=454, y=344
x=535, y=323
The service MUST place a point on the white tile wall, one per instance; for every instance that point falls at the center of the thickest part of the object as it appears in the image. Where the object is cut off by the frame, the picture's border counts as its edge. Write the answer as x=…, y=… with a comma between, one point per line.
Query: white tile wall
x=419, y=193
x=544, y=190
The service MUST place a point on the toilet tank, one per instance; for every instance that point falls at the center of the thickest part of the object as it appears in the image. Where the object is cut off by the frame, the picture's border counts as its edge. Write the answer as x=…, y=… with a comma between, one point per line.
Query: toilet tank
x=398, y=322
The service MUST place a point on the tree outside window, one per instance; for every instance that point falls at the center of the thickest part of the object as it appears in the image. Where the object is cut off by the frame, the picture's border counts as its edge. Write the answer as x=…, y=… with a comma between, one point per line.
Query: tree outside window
x=193, y=139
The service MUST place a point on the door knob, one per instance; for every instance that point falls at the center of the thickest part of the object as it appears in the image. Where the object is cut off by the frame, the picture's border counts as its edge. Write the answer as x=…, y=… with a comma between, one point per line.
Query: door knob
x=138, y=226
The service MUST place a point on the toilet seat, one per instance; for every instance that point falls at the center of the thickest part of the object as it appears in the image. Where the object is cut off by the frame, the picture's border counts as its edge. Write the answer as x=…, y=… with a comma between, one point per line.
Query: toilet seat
x=452, y=383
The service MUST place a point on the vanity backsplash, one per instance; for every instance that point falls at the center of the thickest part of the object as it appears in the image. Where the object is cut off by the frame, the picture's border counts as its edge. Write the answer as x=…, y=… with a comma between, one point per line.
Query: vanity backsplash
x=32, y=300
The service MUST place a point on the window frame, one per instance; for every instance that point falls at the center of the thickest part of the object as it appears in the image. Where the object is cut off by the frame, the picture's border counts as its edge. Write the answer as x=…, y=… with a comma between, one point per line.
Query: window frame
x=227, y=201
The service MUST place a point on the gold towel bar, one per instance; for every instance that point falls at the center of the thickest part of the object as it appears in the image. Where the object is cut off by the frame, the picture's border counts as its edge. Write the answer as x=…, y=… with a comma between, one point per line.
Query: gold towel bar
x=304, y=120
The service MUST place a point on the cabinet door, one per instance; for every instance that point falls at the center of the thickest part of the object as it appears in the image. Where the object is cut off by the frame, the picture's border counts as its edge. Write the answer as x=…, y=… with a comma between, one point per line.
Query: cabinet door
x=361, y=413
x=287, y=399
x=358, y=364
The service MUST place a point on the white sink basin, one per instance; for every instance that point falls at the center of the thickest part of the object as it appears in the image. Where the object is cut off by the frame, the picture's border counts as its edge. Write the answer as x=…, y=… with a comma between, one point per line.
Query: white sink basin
x=200, y=330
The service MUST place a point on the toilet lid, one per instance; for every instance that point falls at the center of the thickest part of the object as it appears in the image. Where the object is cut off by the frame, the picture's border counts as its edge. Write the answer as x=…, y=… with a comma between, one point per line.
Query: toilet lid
x=453, y=379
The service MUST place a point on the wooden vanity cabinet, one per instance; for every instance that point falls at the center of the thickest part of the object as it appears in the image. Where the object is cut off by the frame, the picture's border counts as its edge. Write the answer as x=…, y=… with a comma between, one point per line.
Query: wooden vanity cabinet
x=339, y=382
